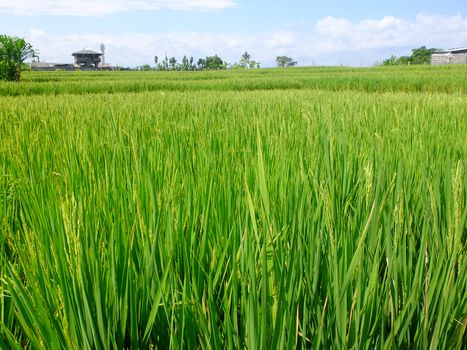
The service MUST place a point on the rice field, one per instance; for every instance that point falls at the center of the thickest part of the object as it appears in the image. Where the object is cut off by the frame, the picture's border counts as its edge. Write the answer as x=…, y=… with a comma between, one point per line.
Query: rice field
x=319, y=208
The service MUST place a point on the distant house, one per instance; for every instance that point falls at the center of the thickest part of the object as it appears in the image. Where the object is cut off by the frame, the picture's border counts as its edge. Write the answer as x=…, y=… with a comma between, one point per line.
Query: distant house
x=87, y=58
x=452, y=56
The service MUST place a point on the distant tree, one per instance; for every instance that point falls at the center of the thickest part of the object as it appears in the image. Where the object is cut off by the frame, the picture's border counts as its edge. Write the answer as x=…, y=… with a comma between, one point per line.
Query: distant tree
x=173, y=63
x=391, y=61
x=192, y=65
x=185, y=63
x=188, y=64
x=422, y=55
x=254, y=64
x=245, y=60
x=161, y=65
x=405, y=60
x=145, y=67
x=214, y=63
x=284, y=61
x=201, y=63
x=14, y=52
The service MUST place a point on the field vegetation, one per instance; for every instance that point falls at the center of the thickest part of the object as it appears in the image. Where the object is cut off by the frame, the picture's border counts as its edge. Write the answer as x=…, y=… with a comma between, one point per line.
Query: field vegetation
x=286, y=208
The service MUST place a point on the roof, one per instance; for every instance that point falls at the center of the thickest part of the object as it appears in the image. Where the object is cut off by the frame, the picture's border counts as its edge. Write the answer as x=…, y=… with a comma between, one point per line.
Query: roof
x=451, y=50
x=48, y=64
x=86, y=52
x=42, y=64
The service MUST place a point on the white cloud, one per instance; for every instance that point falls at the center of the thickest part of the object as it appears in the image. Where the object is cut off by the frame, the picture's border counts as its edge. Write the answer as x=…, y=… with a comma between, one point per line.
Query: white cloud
x=369, y=41
x=102, y=7
x=331, y=41
x=391, y=32
x=281, y=39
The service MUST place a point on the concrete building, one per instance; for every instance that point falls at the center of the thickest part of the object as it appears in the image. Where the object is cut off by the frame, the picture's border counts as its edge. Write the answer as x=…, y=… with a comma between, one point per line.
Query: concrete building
x=452, y=56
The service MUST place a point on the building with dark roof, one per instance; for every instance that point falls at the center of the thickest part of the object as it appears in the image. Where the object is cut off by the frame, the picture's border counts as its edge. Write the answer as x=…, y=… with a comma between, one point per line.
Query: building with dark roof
x=87, y=58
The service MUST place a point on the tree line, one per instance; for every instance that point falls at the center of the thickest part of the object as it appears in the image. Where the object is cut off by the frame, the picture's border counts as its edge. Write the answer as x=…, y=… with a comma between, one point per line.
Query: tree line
x=186, y=64
x=421, y=55
x=211, y=63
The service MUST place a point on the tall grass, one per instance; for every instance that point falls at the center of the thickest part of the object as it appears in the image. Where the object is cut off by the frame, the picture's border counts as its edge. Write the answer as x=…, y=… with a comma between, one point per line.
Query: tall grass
x=254, y=219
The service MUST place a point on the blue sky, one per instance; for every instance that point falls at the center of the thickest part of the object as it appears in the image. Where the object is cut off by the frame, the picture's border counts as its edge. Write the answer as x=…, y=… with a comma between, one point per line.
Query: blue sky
x=328, y=32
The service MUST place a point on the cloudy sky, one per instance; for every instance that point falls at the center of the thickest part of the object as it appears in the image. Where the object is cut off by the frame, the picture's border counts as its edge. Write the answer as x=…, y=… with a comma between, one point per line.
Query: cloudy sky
x=331, y=32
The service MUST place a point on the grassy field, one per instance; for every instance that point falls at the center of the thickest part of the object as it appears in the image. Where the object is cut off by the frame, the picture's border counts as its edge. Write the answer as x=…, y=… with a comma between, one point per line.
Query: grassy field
x=300, y=208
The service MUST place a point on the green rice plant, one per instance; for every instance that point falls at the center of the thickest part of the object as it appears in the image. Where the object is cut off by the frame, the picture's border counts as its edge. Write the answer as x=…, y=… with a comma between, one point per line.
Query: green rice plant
x=408, y=79
x=255, y=217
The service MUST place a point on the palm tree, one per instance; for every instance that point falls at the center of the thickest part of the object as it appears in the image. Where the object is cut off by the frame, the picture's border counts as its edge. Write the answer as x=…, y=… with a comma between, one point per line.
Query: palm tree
x=245, y=60
x=192, y=65
x=13, y=52
x=254, y=64
x=173, y=62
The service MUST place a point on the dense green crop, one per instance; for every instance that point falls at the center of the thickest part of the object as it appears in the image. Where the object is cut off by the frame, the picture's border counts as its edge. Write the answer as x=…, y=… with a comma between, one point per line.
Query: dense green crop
x=278, y=216
x=449, y=79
